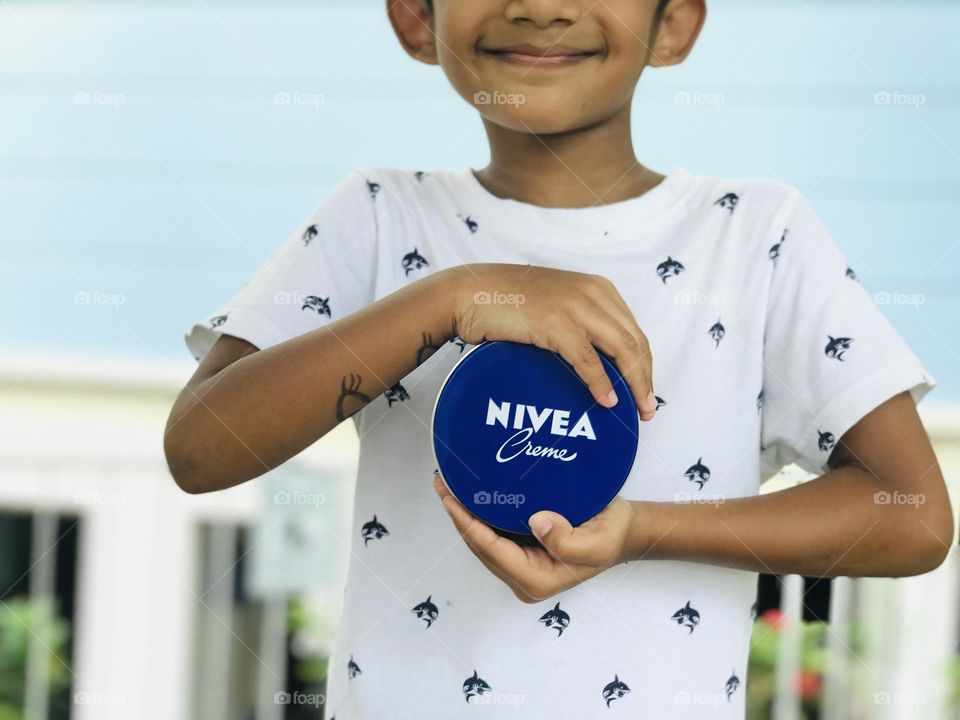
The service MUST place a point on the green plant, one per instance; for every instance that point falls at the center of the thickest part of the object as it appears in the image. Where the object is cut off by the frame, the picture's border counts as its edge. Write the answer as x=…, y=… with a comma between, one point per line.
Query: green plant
x=954, y=674
x=20, y=620
x=761, y=678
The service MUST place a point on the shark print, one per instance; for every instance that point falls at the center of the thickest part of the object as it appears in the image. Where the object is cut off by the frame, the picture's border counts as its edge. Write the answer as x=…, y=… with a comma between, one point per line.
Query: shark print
x=426, y=611
x=470, y=223
x=728, y=201
x=374, y=188
x=660, y=402
x=753, y=611
x=825, y=440
x=474, y=686
x=759, y=401
x=353, y=669
x=836, y=347
x=373, y=530
x=687, y=617
x=557, y=619
x=459, y=343
x=615, y=690
x=217, y=321
x=396, y=393
x=717, y=331
x=698, y=473
x=669, y=268
x=733, y=682
x=309, y=234
x=775, y=249
x=319, y=304
x=413, y=261
x=852, y=275
x=420, y=175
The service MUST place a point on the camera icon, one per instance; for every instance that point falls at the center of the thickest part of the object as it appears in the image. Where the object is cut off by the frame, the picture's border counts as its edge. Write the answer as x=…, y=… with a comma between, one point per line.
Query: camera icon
x=481, y=97
x=481, y=497
x=281, y=698
x=882, y=497
x=281, y=497
x=481, y=298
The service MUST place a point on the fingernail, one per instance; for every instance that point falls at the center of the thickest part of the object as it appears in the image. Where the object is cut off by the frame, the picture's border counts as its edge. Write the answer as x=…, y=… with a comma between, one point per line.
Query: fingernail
x=540, y=525
x=610, y=399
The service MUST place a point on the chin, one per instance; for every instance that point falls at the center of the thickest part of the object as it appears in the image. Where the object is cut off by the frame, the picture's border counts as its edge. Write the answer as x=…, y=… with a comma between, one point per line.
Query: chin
x=538, y=119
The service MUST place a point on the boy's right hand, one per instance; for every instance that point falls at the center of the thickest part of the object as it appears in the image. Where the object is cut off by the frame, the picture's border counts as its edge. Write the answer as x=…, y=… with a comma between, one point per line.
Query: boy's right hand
x=569, y=313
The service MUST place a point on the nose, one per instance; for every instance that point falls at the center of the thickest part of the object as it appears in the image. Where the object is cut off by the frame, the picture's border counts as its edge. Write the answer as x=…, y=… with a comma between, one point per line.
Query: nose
x=544, y=13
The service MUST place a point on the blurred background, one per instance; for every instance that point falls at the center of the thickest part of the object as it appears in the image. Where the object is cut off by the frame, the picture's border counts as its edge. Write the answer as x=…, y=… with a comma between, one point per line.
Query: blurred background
x=152, y=154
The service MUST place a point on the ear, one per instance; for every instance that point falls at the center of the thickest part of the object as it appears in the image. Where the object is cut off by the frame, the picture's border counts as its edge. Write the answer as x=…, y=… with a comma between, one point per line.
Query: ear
x=679, y=27
x=412, y=21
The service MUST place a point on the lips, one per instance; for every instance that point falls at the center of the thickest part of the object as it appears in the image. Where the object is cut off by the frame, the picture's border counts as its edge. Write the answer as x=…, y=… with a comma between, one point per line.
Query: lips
x=539, y=56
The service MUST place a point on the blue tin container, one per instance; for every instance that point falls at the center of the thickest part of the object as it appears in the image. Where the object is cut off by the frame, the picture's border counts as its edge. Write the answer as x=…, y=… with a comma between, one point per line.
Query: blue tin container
x=515, y=430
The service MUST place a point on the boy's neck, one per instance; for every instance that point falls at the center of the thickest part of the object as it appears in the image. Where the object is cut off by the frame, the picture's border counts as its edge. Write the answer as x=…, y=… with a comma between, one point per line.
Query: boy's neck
x=590, y=166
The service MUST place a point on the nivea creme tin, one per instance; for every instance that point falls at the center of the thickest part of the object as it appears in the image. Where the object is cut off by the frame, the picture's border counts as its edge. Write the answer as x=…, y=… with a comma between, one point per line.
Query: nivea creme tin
x=515, y=430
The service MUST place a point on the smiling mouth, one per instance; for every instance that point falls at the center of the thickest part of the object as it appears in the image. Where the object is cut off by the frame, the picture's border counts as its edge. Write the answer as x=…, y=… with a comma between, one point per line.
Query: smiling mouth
x=555, y=56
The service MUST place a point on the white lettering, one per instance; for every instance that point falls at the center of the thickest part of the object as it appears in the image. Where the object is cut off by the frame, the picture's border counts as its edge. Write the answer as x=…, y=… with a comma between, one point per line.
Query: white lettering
x=584, y=428
x=519, y=444
x=497, y=414
x=559, y=425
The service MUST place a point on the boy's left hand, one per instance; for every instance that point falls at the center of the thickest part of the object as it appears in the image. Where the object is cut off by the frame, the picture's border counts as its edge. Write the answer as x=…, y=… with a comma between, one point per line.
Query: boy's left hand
x=571, y=554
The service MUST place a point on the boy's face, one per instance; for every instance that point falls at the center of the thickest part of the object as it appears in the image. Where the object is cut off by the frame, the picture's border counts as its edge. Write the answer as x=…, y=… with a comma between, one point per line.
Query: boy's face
x=546, y=66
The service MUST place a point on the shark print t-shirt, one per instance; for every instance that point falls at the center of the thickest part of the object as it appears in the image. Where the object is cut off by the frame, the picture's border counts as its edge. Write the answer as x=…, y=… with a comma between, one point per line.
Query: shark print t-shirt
x=766, y=349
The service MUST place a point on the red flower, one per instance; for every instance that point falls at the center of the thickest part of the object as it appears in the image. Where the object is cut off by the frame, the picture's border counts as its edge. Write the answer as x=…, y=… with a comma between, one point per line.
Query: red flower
x=774, y=618
x=808, y=685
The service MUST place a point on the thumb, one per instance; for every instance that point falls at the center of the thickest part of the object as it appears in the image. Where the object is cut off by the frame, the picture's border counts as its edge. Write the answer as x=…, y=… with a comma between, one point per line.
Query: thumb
x=551, y=529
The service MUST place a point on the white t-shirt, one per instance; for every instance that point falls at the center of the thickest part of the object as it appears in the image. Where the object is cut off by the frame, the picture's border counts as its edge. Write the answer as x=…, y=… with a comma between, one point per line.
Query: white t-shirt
x=766, y=350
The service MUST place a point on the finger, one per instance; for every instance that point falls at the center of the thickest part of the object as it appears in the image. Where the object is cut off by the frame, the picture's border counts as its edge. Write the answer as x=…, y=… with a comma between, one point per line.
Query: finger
x=631, y=337
x=622, y=340
x=503, y=554
x=502, y=557
x=575, y=347
x=570, y=546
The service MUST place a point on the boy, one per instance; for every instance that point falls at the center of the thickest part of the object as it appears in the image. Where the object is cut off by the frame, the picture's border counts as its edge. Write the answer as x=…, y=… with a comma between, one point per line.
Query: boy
x=644, y=611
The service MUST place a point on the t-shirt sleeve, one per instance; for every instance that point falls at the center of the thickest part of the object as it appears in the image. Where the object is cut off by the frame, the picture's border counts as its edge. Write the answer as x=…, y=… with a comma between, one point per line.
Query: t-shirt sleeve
x=323, y=271
x=830, y=356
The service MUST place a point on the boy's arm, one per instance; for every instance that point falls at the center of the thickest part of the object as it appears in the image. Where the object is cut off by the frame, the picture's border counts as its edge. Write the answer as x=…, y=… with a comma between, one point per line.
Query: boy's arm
x=236, y=420
x=857, y=520
x=231, y=424
x=882, y=510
